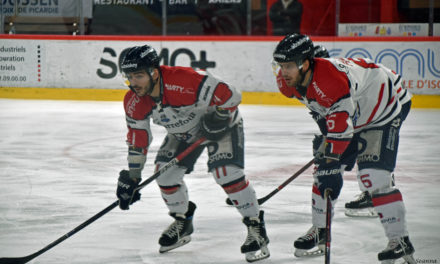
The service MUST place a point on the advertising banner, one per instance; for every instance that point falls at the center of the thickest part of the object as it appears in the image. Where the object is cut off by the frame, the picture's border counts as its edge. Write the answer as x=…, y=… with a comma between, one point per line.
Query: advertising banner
x=246, y=64
x=46, y=8
x=383, y=30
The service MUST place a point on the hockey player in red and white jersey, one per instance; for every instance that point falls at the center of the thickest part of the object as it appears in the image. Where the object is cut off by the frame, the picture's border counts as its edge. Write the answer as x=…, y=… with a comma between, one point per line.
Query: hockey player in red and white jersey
x=359, y=107
x=188, y=104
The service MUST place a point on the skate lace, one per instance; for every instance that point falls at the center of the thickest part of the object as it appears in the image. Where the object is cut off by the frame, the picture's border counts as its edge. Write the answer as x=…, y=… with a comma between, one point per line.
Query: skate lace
x=174, y=229
x=360, y=197
x=394, y=243
x=312, y=233
x=253, y=235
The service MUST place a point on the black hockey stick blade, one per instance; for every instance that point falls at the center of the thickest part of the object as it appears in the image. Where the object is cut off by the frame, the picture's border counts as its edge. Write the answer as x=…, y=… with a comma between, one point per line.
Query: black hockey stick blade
x=61, y=239
x=174, y=161
x=16, y=260
x=279, y=188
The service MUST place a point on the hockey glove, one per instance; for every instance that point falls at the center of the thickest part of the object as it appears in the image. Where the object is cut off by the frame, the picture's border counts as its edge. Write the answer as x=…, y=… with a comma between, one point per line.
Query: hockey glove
x=215, y=125
x=126, y=190
x=329, y=176
x=318, y=149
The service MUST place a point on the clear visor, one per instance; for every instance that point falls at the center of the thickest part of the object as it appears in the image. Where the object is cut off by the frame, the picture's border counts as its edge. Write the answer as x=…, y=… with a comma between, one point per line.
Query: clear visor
x=276, y=68
x=125, y=79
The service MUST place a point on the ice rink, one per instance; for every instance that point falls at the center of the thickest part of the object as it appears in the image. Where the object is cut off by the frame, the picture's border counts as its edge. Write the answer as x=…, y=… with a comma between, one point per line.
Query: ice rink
x=59, y=163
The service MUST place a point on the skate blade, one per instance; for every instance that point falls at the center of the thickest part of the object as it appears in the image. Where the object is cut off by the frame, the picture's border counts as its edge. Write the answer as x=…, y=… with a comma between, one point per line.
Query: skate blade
x=365, y=212
x=408, y=259
x=307, y=253
x=182, y=241
x=260, y=254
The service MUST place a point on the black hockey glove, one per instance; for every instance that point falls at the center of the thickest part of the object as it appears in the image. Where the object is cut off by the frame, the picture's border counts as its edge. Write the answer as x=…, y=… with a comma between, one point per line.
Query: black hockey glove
x=318, y=149
x=125, y=191
x=215, y=125
x=328, y=176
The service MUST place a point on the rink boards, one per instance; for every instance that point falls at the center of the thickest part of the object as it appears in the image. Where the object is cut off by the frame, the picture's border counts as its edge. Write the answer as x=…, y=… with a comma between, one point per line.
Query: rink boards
x=87, y=67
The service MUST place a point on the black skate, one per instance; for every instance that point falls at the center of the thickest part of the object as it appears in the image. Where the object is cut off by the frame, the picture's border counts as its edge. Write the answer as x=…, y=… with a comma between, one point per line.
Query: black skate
x=361, y=207
x=396, y=250
x=312, y=244
x=179, y=232
x=255, y=246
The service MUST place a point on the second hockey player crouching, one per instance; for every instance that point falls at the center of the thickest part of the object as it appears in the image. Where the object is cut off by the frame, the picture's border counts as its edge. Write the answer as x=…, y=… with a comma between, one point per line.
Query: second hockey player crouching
x=359, y=107
x=189, y=104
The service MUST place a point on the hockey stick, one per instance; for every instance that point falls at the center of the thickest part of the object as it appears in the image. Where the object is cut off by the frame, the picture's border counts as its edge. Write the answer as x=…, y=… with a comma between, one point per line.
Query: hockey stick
x=328, y=222
x=174, y=161
x=279, y=188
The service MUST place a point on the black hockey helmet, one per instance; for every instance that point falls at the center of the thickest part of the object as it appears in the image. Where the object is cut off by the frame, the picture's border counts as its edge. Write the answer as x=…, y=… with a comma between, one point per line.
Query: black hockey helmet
x=320, y=52
x=140, y=57
x=294, y=47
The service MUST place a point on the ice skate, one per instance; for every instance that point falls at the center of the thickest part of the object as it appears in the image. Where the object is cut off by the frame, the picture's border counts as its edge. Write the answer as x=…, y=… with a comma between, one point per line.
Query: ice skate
x=361, y=207
x=311, y=244
x=179, y=232
x=398, y=249
x=255, y=246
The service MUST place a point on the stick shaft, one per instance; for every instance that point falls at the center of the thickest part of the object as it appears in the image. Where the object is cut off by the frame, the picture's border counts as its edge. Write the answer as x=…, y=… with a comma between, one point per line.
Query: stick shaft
x=285, y=183
x=174, y=161
x=328, y=216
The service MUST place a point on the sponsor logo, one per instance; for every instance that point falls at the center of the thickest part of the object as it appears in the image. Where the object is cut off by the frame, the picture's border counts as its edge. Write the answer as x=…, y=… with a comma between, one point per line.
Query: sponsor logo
x=298, y=43
x=131, y=106
x=244, y=206
x=123, y=185
x=129, y=65
x=327, y=172
x=389, y=220
x=173, y=87
x=165, y=153
x=183, y=122
x=279, y=56
x=317, y=210
x=368, y=158
x=220, y=156
x=318, y=90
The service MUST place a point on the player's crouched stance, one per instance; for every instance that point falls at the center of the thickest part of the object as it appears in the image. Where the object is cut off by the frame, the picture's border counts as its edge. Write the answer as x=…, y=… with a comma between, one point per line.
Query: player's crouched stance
x=189, y=104
x=359, y=107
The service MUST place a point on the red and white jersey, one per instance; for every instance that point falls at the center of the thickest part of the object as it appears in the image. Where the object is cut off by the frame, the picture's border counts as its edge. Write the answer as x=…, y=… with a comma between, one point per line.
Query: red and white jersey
x=186, y=95
x=352, y=95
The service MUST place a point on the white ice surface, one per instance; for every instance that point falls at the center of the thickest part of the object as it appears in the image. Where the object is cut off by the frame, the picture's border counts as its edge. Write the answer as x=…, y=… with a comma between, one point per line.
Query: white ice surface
x=59, y=161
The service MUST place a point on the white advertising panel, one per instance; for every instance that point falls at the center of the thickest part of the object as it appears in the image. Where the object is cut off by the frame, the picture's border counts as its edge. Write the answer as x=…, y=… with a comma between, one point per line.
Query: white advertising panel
x=383, y=30
x=46, y=8
x=245, y=64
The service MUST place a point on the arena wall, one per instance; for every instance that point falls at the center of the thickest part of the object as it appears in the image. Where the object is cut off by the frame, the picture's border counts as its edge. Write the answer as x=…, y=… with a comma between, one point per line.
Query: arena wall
x=87, y=67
